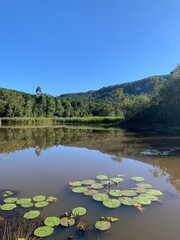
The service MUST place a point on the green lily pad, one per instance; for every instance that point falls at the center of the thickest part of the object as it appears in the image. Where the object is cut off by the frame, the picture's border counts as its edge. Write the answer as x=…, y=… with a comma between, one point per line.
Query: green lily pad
x=43, y=231
x=88, y=182
x=79, y=211
x=129, y=193
x=10, y=200
x=66, y=222
x=143, y=185
x=52, y=221
x=100, y=196
x=137, y=179
x=127, y=201
x=97, y=186
x=117, y=179
x=79, y=189
x=23, y=200
x=27, y=205
x=8, y=206
x=41, y=204
x=111, y=203
x=31, y=214
x=150, y=196
x=75, y=184
x=154, y=192
x=115, y=192
x=102, y=177
x=90, y=192
x=51, y=199
x=102, y=225
x=39, y=198
x=7, y=193
x=142, y=200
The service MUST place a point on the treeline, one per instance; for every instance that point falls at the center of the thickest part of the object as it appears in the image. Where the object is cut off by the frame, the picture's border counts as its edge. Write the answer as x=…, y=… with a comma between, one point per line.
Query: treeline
x=18, y=104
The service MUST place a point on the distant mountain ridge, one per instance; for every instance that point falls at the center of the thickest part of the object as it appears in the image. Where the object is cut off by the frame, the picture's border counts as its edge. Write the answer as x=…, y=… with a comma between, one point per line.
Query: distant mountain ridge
x=143, y=86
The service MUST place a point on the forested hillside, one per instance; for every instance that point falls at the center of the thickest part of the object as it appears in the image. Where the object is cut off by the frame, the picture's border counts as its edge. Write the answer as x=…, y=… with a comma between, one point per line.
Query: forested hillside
x=153, y=100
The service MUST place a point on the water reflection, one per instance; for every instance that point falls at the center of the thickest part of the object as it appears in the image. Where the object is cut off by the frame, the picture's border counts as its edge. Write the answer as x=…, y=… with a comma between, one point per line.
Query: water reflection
x=116, y=143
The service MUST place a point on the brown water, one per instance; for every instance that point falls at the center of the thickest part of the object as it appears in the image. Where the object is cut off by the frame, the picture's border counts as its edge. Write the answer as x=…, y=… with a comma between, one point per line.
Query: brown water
x=43, y=160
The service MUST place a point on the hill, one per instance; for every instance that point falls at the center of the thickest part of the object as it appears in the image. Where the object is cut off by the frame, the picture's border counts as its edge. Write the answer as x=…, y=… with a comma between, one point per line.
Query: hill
x=105, y=94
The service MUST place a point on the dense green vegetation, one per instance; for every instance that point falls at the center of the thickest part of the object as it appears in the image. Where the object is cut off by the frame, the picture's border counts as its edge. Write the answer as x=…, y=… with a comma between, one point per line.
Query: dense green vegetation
x=151, y=100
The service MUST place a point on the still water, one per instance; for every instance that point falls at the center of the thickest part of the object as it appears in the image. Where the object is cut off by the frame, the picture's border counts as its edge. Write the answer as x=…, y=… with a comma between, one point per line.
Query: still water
x=43, y=161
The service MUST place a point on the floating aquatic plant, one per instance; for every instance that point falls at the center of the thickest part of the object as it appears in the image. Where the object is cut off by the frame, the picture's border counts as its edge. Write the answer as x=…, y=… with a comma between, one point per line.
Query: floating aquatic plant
x=51, y=199
x=102, y=177
x=127, y=201
x=144, y=185
x=111, y=203
x=88, y=182
x=115, y=192
x=41, y=204
x=39, y=198
x=79, y=211
x=129, y=193
x=10, y=200
x=32, y=214
x=8, y=206
x=75, y=184
x=117, y=179
x=27, y=205
x=66, y=222
x=97, y=186
x=102, y=225
x=52, y=221
x=43, y=231
x=100, y=196
x=90, y=192
x=23, y=200
x=79, y=189
x=137, y=179
x=154, y=192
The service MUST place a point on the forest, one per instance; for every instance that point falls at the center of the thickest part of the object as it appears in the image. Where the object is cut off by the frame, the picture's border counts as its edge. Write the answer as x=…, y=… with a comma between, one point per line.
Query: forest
x=159, y=103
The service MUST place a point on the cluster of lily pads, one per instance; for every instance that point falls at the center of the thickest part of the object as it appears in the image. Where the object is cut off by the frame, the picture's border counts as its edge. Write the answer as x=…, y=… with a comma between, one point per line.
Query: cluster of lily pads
x=107, y=191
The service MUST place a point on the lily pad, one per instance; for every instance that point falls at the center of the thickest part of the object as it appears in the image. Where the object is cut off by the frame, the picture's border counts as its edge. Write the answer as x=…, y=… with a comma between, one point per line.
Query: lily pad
x=142, y=200
x=143, y=185
x=79, y=211
x=137, y=179
x=121, y=175
x=100, y=196
x=154, y=192
x=102, y=177
x=150, y=197
x=97, y=186
x=127, y=201
x=79, y=189
x=117, y=179
x=41, y=204
x=10, y=200
x=43, y=231
x=90, y=192
x=23, y=200
x=111, y=203
x=32, y=214
x=27, y=205
x=115, y=192
x=75, y=184
x=39, y=198
x=8, y=206
x=102, y=225
x=129, y=193
x=88, y=182
x=51, y=199
x=66, y=222
x=52, y=221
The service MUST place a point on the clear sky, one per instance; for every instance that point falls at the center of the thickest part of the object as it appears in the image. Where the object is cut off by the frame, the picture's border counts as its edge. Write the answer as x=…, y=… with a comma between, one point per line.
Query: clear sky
x=79, y=45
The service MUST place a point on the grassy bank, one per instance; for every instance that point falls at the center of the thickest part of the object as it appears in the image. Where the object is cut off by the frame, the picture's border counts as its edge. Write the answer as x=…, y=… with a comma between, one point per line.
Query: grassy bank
x=51, y=121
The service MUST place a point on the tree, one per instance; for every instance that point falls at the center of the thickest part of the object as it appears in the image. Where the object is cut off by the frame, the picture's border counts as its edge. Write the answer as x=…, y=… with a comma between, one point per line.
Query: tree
x=38, y=91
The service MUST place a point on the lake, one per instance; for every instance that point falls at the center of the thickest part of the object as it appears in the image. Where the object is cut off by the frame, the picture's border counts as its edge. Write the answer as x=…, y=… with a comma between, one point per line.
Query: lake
x=42, y=161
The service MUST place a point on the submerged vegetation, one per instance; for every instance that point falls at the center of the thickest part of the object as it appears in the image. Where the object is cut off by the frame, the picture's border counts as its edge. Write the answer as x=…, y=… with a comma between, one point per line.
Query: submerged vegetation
x=109, y=193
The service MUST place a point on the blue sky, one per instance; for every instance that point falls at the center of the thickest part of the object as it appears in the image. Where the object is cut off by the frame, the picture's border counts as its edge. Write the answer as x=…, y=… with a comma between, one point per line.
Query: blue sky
x=79, y=45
